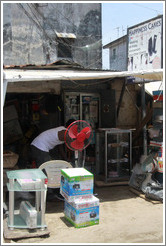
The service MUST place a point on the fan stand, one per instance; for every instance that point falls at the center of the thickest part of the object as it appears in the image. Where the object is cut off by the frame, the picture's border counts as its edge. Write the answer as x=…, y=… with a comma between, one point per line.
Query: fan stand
x=78, y=157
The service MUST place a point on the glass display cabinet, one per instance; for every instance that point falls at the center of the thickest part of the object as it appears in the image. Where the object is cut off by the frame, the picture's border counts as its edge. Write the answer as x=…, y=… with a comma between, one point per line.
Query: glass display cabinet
x=113, y=153
x=26, y=180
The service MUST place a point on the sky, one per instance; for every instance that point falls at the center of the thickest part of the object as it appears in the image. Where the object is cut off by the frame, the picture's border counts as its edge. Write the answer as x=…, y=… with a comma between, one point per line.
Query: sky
x=118, y=16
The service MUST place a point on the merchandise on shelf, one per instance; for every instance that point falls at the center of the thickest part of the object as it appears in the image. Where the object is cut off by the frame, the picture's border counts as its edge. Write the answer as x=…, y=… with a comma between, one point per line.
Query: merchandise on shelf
x=28, y=214
x=29, y=184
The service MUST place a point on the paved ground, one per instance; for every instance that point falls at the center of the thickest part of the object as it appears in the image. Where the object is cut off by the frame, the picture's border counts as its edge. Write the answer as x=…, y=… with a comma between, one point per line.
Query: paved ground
x=124, y=218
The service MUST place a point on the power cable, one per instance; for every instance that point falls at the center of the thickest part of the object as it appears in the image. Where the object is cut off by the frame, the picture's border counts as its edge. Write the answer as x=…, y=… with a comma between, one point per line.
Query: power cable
x=86, y=84
x=69, y=20
x=30, y=17
x=27, y=14
x=45, y=46
x=36, y=21
x=65, y=43
x=132, y=99
x=84, y=48
x=55, y=33
x=61, y=39
x=37, y=24
x=34, y=11
x=158, y=12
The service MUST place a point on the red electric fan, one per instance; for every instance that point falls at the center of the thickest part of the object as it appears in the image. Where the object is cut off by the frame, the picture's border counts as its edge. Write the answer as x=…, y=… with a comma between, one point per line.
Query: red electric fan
x=78, y=136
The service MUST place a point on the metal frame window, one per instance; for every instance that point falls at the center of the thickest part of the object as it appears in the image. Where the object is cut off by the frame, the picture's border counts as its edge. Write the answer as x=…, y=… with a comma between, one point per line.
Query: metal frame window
x=114, y=53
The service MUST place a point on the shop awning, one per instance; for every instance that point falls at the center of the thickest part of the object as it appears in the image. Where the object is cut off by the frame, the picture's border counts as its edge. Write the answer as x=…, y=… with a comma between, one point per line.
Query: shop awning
x=18, y=75
x=37, y=80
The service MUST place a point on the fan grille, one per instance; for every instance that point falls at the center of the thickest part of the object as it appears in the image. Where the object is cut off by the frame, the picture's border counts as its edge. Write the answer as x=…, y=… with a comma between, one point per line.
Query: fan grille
x=78, y=135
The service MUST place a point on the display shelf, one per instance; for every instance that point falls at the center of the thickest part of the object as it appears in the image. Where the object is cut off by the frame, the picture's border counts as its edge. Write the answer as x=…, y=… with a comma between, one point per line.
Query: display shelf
x=15, y=220
x=20, y=223
x=26, y=174
x=17, y=187
x=114, y=153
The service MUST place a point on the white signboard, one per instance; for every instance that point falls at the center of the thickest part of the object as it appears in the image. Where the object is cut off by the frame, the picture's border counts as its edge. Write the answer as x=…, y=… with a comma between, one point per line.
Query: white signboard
x=145, y=45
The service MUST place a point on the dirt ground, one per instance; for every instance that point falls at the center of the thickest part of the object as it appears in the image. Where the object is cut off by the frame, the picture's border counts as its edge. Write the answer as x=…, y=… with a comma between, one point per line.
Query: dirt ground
x=124, y=218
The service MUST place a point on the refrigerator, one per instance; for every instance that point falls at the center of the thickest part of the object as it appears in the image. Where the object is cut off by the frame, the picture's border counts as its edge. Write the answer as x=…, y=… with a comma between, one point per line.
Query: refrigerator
x=84, y=106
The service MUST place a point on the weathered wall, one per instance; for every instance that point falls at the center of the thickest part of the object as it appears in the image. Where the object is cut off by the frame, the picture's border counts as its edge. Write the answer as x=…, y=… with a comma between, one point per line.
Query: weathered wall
x=30, y=32
x=119, y=62
x=128, y=113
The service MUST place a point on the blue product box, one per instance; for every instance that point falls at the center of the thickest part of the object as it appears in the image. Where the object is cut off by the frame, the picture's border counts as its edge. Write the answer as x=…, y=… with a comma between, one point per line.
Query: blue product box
x=76, y=182
x=82, y=212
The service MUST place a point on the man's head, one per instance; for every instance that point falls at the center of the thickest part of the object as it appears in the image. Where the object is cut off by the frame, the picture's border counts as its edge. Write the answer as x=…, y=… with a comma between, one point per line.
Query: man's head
x=61, y=134
x=69, y=122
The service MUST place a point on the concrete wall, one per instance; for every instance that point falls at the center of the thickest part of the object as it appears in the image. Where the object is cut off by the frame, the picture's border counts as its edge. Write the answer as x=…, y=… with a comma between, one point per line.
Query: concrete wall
x=128, y=113
x=29, y=32
x=119, y=62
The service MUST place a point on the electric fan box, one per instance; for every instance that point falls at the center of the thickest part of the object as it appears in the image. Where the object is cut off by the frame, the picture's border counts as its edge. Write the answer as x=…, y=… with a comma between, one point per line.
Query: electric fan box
x=28, y=214
x=29, y=184
x=76, y=182
x=82, y=212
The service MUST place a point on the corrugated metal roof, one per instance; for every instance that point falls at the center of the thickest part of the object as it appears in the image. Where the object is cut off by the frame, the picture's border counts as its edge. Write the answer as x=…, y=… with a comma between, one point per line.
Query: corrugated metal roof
x=116, y=41
x=59, y=64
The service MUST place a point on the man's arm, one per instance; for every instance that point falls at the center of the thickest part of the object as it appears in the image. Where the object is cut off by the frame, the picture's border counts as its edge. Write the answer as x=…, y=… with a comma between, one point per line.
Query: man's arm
x=61, y=135
x=62, y=152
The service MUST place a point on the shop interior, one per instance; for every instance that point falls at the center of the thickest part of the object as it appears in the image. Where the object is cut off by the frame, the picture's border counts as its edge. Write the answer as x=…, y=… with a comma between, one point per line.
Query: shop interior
x=26, y=115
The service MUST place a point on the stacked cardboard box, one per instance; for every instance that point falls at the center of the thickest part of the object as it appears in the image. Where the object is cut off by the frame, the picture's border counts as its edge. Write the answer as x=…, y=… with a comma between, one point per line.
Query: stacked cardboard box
x=81, y=206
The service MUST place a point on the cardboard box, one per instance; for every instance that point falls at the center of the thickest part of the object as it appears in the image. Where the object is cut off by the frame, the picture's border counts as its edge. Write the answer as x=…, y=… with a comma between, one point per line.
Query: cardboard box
x=73, y=198
x=82, y=212
x=29, y=184
x=76, y=182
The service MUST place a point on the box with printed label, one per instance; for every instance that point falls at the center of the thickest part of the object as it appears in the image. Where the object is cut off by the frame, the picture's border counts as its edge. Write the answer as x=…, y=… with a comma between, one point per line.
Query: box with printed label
x=29, y=184
x=72, y=198
x=76, y=182
x=82, y=212
x=28, y=214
